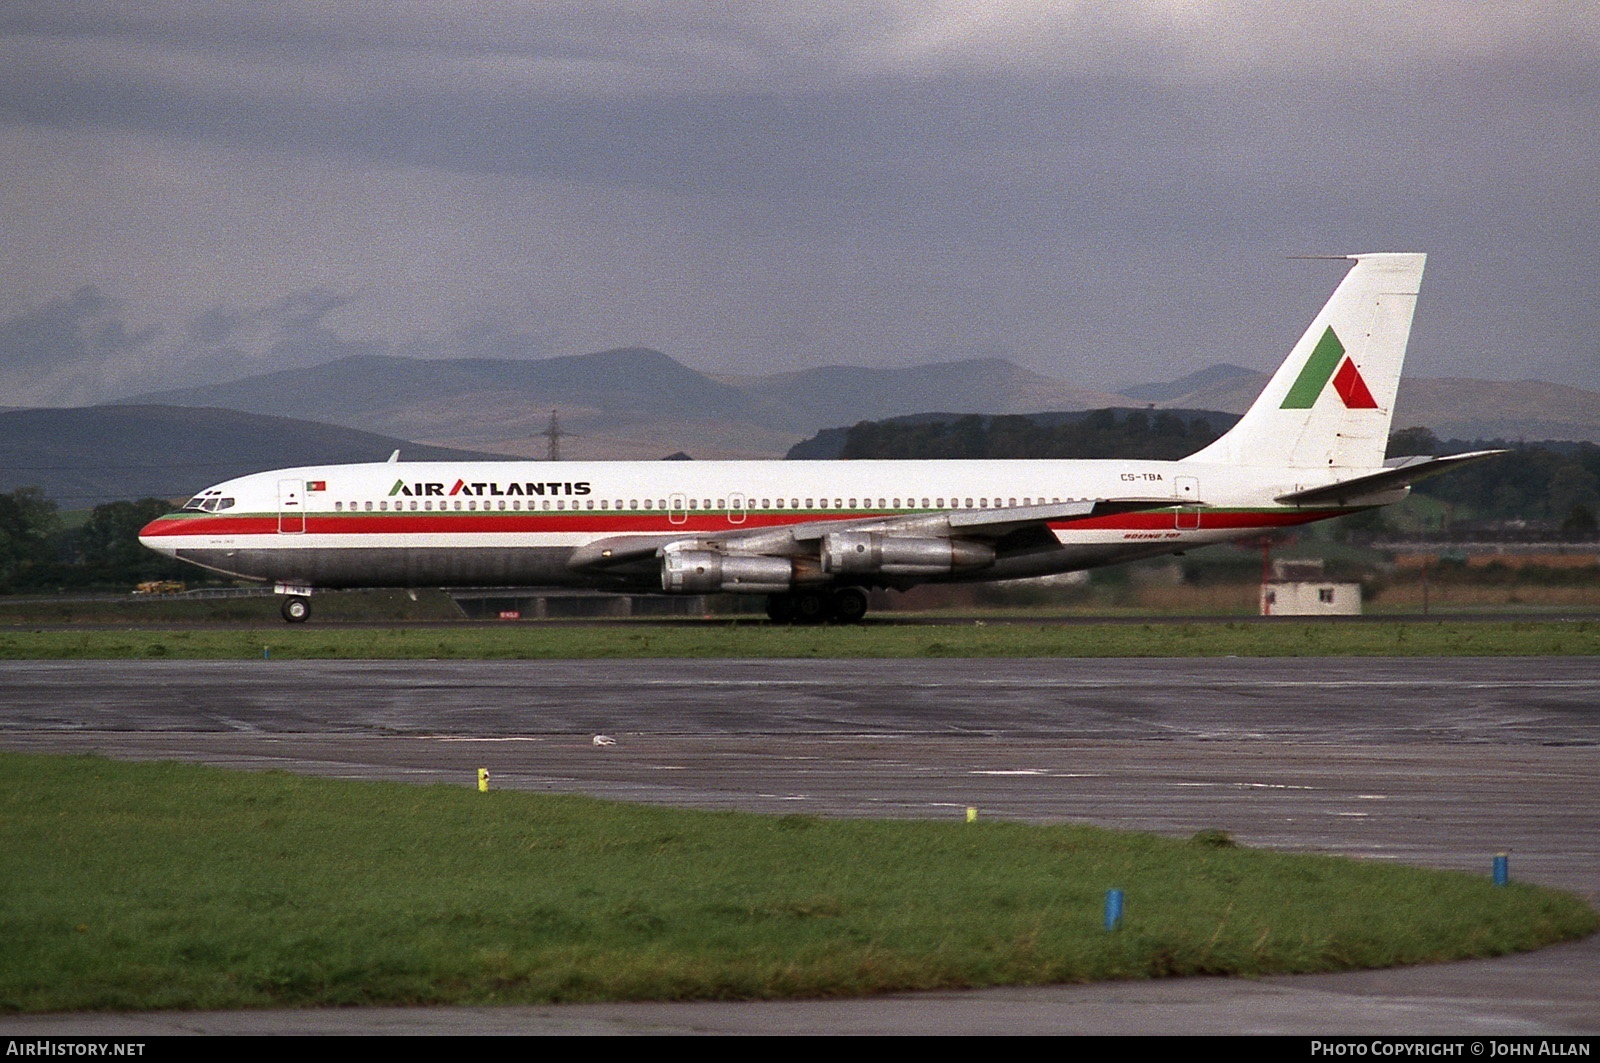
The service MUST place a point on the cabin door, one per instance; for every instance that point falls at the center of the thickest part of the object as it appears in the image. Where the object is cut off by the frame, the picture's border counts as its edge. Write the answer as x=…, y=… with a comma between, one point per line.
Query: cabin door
x=1187, y=489
x=291, y=506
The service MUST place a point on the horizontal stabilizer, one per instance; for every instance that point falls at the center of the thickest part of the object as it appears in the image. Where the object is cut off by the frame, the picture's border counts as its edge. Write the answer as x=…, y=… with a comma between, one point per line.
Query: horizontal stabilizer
x=1398, y=473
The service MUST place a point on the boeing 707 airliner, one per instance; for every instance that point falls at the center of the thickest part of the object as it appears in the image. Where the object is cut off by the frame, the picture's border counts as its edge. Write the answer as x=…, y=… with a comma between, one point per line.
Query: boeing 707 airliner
x=814, y=536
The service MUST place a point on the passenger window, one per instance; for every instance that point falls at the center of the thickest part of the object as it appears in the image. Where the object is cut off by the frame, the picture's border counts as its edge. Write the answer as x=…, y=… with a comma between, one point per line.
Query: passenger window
x=428, y=504
x=722, y=503
x=694, y=503
x=338, y=507
x=369, y=506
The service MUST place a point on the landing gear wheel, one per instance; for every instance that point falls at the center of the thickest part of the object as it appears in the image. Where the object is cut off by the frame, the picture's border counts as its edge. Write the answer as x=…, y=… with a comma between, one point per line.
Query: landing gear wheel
x=810, y=607
x=849, y=605
x=780, y=608
x=296, y=609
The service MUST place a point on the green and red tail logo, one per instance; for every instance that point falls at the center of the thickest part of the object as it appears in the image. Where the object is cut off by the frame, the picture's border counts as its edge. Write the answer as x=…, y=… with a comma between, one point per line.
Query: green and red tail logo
x=1329, y=361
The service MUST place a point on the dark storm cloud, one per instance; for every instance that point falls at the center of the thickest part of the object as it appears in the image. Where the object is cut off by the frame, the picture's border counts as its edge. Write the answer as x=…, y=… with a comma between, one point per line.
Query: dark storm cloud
x=1107, y=146
x=78, y=330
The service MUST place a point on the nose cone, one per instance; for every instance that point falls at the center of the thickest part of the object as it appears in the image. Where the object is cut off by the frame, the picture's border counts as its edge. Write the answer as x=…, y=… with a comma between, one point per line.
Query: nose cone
x=157, y=535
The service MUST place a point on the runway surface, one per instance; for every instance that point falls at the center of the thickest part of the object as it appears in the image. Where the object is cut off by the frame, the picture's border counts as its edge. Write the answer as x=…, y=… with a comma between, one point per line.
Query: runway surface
x=1436, y=762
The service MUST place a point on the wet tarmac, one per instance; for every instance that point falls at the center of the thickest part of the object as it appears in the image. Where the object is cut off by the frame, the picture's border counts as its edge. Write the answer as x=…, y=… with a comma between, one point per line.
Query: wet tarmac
x=1436, y=762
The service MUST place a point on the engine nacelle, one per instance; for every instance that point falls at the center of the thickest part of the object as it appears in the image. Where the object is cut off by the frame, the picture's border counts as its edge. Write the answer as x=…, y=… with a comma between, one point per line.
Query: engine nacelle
x=862, y=553
x=708, y=572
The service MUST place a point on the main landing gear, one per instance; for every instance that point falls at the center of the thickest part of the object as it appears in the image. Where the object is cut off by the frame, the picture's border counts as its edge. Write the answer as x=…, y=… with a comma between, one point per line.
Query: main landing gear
x=847, y=605
x=296, y=609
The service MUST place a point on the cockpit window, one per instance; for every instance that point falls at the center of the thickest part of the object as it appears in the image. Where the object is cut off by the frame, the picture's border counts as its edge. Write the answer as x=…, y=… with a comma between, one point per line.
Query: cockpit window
x=208, y=502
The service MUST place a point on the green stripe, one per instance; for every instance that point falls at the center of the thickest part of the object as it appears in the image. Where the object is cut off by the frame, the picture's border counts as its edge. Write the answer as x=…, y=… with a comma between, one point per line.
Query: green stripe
x=1314, y=377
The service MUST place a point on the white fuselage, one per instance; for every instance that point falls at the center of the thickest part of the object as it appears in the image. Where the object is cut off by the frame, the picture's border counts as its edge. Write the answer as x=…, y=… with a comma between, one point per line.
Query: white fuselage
x=505, y=523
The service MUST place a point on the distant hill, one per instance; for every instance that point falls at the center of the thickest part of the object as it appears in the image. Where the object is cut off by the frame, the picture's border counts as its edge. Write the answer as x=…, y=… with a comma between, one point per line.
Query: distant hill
x=639, y=403
x=626, y=379
x=1492, y=409
x=1221, y=375
x=835, y=395
x=626, y=403
x=85, y=456
x=1453, y=408
x=831, y=443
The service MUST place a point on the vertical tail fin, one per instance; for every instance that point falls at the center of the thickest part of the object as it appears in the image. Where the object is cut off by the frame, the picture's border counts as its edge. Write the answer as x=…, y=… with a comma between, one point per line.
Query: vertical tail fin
x=1329, y=405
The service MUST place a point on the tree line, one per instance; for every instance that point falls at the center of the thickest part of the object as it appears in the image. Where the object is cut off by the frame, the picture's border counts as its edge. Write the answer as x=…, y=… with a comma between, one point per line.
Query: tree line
x=1553, y=486
x=1110, y=433
x=40, y=552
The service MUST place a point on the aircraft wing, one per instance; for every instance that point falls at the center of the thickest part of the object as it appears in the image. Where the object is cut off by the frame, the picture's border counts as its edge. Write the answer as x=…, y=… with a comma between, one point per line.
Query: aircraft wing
x=982, y=525
x=1398, y=473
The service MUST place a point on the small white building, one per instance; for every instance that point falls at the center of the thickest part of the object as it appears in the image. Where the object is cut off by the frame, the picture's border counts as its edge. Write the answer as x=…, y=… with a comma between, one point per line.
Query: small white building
x=1298, y=589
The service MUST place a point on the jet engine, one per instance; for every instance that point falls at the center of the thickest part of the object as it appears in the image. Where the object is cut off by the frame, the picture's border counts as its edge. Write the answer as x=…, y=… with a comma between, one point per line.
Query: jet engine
x=862, y=553
x=708, y=572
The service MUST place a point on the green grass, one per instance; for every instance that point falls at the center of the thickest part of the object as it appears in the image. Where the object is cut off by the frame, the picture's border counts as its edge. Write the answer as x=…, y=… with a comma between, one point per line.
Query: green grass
x=724, y=639
x=128, y=886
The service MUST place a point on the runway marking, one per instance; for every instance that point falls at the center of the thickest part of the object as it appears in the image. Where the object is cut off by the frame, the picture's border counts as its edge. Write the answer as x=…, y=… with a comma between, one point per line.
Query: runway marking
x=1016, y=771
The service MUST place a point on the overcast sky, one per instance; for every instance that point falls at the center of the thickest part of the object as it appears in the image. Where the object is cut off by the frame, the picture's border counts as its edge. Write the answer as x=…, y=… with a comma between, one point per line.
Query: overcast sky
x=1104, y=192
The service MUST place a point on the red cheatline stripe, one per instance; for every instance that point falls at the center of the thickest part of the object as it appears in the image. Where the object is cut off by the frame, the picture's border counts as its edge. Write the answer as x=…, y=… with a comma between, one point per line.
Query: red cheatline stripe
x=656, y=523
